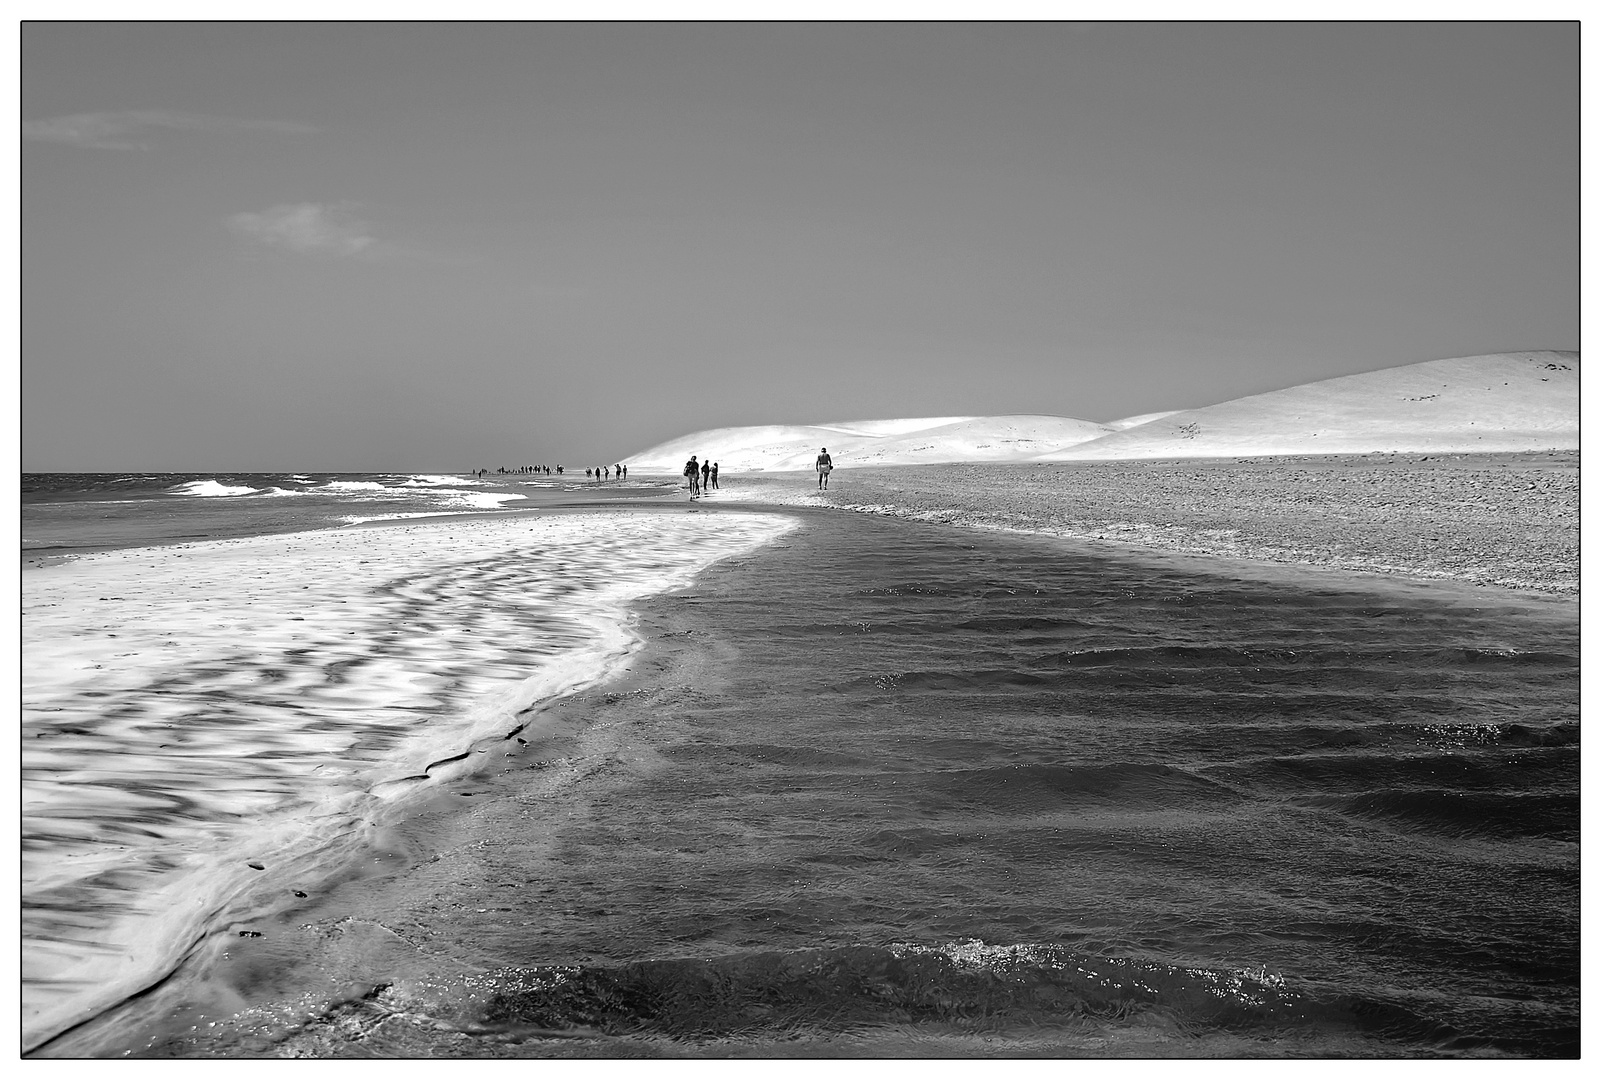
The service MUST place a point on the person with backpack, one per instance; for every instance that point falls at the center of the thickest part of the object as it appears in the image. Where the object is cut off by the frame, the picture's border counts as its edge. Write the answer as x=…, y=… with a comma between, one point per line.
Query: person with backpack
x=692, y=470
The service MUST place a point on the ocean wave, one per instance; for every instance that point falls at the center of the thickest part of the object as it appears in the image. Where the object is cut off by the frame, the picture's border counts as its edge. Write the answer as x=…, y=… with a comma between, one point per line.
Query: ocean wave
x=1037, y=789
x=360, y=519
x=1482, y=768
x=1463, y=814
x=209, y=489
x=858, y=987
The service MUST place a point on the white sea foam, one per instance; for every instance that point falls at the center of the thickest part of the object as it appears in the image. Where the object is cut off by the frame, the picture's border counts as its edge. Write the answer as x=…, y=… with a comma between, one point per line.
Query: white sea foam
x=210, y=489
x=360, y=519
x=489, y=500
x=427, y=480
x=353, y=485
x=190, y=711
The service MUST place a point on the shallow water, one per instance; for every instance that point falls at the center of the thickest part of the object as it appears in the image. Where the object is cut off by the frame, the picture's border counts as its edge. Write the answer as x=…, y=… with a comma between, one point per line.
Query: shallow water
x=886, y=788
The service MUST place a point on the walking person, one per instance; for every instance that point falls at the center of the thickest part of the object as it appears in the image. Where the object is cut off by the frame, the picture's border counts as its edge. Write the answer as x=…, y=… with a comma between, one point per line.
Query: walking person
x=825, y=465
x=705, y=477
x=714, y=476
x=692, y=470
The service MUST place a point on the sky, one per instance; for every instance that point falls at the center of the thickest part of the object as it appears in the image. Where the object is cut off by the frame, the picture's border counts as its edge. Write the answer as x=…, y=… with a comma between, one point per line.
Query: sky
x=441, y=247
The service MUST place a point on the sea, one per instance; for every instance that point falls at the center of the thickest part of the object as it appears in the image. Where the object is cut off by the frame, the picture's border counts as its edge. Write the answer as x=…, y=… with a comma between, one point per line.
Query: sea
x=877, y=788
x=64, y=513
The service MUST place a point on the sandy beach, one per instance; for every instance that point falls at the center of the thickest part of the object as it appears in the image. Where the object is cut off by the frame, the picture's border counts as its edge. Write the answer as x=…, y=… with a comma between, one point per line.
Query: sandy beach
x=1507, y=520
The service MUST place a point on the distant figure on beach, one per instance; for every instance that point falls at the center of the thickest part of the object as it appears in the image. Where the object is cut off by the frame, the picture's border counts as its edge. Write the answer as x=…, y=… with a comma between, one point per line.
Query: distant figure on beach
x=714, y=476
x=825, y=465
x=692, y=470
x=706, y=476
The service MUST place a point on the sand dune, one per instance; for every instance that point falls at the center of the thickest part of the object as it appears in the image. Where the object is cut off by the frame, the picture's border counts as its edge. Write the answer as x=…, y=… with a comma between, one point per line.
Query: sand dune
x=927, y=441
x=1136, y=421
x=1497, y=402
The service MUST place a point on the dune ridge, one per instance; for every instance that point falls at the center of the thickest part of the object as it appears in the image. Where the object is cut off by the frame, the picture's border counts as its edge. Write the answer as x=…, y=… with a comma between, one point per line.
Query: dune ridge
x=1496, y=402
x=930, y=440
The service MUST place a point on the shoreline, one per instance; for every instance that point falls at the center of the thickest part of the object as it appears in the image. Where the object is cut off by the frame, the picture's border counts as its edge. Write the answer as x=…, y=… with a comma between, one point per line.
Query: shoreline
x=304, y=688
x=641, y=495
x=1501, y=521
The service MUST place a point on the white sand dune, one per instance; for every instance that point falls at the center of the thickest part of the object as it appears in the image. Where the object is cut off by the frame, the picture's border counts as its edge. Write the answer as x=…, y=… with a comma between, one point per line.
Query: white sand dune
x=1496, y=402
x=1135, y=421
x=926, y=441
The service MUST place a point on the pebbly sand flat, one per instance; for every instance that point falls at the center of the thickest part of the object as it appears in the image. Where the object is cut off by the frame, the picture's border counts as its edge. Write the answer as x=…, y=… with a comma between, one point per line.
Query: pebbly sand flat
x=271, y=700
x=1506, y=520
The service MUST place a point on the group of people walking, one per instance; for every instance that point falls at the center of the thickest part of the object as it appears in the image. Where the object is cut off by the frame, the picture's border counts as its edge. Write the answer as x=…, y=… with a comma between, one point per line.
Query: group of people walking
x=600, y=472
x=702, y=476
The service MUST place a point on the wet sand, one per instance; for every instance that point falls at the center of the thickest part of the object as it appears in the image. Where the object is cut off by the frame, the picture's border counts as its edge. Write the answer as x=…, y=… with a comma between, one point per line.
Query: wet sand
x=1503, y=520
x=271, y=699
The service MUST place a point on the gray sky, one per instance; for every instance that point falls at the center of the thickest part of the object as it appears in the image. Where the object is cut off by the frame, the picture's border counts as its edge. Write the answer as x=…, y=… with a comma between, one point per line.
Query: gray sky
x=443, y=247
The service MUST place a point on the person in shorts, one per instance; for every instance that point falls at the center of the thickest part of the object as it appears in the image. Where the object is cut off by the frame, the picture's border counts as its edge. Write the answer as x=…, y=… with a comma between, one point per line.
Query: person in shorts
x=825, y=465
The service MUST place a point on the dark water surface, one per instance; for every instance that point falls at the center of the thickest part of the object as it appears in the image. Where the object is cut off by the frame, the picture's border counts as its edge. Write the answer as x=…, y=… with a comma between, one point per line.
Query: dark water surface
x=884, y=788
x=73, y=513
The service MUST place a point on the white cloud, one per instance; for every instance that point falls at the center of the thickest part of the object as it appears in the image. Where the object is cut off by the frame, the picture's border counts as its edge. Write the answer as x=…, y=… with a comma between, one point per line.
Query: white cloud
x=118, y=130
x=305, y=227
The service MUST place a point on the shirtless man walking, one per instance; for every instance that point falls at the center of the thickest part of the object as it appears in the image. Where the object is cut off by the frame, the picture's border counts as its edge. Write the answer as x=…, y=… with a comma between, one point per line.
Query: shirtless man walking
x=825, y=465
